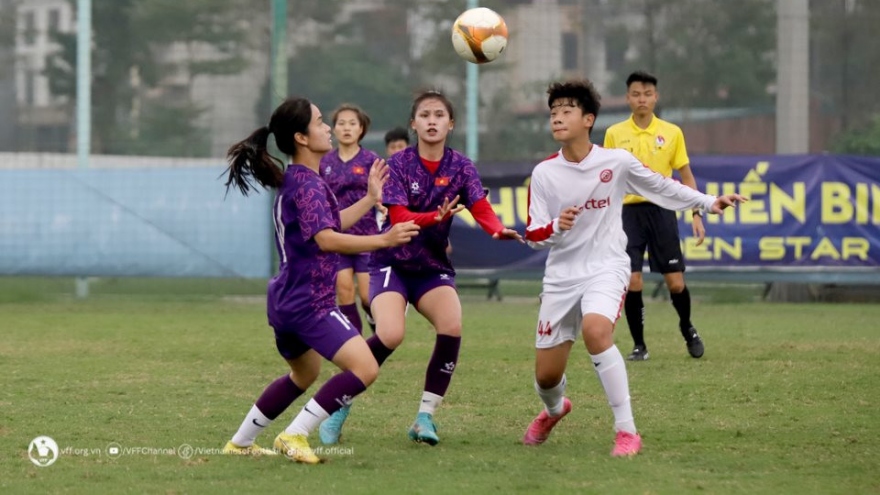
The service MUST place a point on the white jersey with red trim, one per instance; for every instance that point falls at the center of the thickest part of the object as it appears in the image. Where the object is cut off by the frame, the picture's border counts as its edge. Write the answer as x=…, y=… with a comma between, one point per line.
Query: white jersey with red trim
x=596, y=185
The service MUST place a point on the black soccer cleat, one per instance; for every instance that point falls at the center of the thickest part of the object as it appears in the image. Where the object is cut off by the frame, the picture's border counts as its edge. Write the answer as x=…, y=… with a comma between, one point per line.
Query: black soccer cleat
x=639, y=353
x=694, y=343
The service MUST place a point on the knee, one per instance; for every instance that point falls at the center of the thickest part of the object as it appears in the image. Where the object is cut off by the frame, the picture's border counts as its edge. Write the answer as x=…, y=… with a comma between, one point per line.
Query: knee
x=636, y=283
x=597, y=338
x=345, y=291
x=304, y=378
x=391, y=338
x=367, y=370
x=451, y=329
x=547, y=379
x=675, y=287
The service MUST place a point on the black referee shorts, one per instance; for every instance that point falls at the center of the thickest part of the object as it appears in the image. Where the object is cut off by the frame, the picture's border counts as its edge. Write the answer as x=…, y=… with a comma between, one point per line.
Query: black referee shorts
x=651, y=227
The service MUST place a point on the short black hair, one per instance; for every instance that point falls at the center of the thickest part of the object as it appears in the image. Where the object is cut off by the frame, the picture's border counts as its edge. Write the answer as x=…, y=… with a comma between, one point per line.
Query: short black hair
x=396, y=134
x=642, y=77
x=580, y=92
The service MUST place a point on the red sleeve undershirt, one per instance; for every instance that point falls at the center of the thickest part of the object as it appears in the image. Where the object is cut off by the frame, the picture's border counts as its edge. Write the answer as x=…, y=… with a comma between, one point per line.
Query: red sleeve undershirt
x=481, y=210
x=486, y=217
x=400, y=214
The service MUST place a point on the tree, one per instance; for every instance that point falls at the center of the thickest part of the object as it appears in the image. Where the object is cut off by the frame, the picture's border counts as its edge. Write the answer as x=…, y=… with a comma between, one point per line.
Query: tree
x=707, y=53
x=132, y=42
x=864, y=140
x=7, y=37
x=439, y=65
x=844, y=68
x=351, y=74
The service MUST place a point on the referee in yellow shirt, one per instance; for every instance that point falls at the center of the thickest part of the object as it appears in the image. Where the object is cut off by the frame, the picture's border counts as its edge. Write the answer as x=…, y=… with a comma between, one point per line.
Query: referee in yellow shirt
x=660, y=146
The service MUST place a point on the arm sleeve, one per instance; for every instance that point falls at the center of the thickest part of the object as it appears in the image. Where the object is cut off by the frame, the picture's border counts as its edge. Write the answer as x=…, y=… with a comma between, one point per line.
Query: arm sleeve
x=663, y=191
x=472, y=190
x=542, y=230
x=400, y=214
x=486, y=217
x=394, y=192
x=680, y=159
x=609, y=139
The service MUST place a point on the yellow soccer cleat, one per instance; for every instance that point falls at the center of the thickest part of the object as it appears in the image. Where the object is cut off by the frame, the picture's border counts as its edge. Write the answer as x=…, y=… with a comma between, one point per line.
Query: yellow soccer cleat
x=254, y=450
x=296, y=448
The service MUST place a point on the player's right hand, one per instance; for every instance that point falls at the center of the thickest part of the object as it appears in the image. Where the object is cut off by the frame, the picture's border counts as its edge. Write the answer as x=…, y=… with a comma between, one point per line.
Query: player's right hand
x=448, y=208
x=379, y=173
x=566, y=218
x=401, y=233
x=722, y=202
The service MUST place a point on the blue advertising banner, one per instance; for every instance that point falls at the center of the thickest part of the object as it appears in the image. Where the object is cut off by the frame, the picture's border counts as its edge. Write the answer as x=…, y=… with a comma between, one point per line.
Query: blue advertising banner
x=806, y=213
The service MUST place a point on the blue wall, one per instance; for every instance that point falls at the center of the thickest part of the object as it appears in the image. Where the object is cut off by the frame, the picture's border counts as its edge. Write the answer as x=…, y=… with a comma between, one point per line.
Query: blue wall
x=132, y=222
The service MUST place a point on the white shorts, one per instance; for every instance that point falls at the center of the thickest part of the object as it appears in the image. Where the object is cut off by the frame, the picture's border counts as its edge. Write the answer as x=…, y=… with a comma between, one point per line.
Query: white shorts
x=563, y=308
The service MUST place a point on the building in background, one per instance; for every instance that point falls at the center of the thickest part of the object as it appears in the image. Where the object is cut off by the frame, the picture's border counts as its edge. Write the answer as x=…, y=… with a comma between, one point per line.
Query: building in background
x=43, y=120
x=549, y=40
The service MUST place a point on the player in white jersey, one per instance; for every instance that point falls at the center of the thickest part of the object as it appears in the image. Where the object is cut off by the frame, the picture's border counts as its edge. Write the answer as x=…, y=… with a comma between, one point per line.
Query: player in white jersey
x=575, y=200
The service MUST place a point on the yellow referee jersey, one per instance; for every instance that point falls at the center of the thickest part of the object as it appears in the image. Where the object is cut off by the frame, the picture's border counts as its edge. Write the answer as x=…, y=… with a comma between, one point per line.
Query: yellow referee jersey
x=660, y=146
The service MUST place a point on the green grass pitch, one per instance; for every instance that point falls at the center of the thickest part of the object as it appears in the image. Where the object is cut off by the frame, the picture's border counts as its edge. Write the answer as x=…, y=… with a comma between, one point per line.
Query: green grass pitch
x=786, y=400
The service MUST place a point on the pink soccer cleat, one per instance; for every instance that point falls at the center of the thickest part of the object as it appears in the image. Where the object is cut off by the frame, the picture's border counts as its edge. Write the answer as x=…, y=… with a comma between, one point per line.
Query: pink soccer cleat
x=541, y=426
x=626, y=444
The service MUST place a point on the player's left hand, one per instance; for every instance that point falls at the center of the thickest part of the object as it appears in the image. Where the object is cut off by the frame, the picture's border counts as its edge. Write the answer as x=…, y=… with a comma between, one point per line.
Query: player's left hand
x=722, y=202
x=699, y=229
x=379, y=172
x=508, y=234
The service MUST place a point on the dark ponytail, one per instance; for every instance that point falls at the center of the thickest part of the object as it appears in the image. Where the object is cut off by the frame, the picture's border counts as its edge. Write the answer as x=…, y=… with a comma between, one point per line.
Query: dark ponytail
x=250, y=161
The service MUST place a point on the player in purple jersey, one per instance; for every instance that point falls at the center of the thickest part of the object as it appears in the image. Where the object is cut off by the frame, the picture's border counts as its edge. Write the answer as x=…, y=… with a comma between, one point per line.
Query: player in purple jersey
x=346, y=170
x=301, y=298
x=426, y=184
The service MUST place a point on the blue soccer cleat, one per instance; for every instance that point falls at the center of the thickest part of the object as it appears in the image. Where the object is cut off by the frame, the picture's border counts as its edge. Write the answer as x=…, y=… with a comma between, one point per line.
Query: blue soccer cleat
x=424, y=430
x=331, y=428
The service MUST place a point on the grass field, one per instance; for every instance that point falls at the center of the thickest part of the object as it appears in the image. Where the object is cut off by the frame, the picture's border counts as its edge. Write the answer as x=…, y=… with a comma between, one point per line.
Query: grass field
x=785, y=401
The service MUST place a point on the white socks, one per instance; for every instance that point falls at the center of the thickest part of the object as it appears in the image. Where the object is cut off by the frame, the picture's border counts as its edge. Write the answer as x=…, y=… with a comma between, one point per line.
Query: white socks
x=430, y=403
x=611, y=369
x=307, y=420
x=552, y=397
x=254, y=423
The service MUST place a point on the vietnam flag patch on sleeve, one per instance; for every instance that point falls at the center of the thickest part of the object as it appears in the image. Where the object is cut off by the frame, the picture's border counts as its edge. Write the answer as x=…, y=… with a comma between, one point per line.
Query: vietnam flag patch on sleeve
x=441, y=181
x=358, y=170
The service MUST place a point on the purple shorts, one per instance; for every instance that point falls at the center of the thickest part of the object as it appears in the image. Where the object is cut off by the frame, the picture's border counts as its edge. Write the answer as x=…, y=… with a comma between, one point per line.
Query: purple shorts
x=360, y=262
x=325, y=335
x=411, y=286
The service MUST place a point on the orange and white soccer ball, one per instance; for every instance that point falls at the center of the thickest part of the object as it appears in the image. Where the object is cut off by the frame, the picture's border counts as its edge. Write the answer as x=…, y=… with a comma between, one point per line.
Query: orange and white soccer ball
x=479, y=35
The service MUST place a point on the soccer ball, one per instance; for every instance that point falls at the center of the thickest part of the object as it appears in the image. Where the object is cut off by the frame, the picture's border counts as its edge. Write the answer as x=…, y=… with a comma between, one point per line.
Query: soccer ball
x=479, y=35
